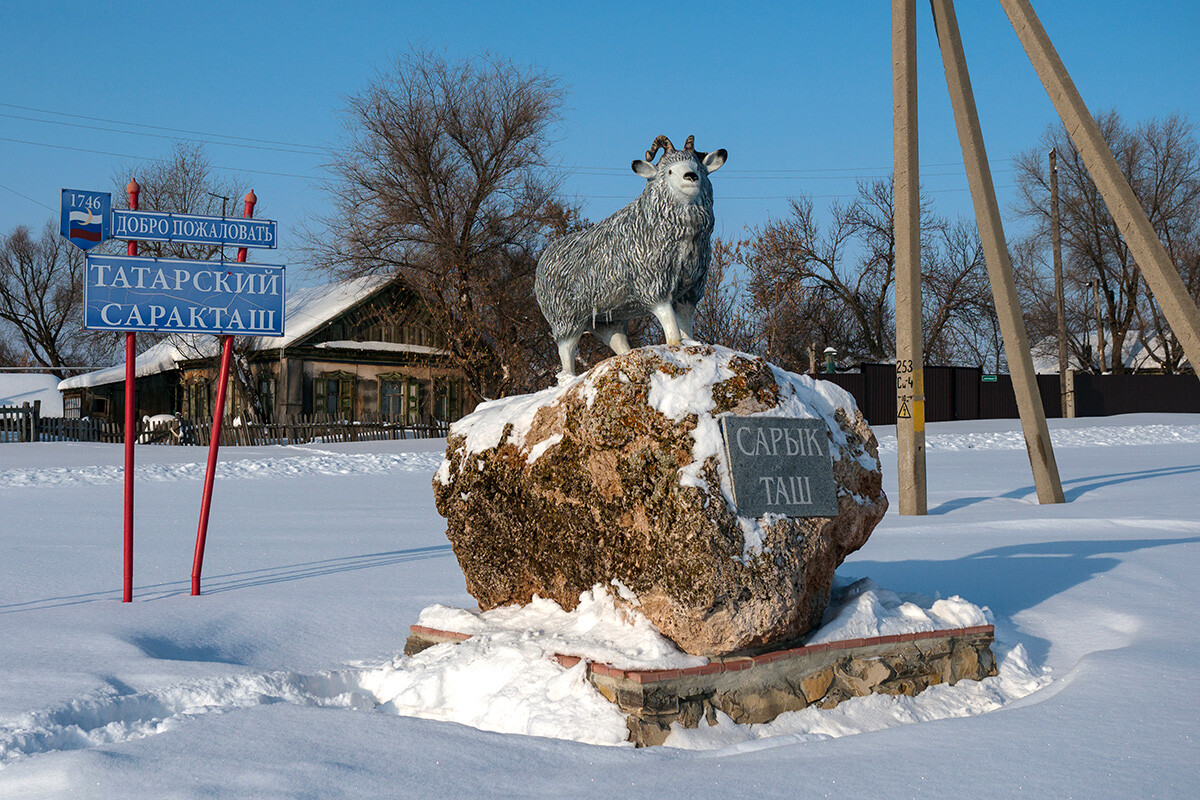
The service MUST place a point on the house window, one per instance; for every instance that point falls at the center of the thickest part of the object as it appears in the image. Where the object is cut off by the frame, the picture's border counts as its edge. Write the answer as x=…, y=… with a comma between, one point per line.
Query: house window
x=401, y=398
x=334, y=394
x=448, y=400
x=391, y=400
x=194, y=400
x=413, y=403
x=266, y=396
x=72, y=406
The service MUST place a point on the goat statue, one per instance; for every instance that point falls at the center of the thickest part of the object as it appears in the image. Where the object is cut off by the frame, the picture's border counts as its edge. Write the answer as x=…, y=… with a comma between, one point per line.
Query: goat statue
x=651, y=257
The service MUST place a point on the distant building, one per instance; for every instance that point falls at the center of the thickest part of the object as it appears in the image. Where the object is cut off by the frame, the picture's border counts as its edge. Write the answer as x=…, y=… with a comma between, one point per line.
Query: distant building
x=17, y=388
x=358, y=349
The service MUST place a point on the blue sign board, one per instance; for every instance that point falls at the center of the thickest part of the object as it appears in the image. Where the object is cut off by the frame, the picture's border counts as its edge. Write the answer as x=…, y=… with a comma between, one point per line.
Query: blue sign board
x=156, y=226
x=85, y=217
x=127, y=293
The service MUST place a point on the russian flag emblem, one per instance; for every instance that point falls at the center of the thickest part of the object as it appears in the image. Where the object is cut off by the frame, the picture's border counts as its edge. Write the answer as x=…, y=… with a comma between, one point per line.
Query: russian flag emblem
x=85, y=225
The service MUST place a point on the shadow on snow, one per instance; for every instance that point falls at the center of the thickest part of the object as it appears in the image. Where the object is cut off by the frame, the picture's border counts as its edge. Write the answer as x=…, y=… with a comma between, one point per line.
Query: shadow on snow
x=232, y=581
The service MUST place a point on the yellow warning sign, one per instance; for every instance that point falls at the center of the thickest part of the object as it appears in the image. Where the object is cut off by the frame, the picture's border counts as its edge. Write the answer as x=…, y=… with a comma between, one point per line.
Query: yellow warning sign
x=904, y=413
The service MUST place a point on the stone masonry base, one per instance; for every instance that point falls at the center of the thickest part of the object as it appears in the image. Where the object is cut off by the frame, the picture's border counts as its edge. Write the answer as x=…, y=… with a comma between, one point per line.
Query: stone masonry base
x=756, y=689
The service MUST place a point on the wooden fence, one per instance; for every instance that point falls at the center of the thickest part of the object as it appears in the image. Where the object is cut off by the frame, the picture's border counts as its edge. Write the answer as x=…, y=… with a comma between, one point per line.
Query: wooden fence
x=20, y=423
x=29, y=427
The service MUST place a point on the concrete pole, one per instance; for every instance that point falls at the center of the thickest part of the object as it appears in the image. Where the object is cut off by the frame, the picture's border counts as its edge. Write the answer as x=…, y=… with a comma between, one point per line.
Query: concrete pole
x=910, y=373
x=995, y=250
x=1100, y=340
x=1161, y=275
x=1059, y=301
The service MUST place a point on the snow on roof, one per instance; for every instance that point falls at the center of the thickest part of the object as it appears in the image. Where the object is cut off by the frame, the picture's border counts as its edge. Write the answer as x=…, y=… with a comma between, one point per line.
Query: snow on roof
x=391, y=347
x=161, y=357
x=1135, y=354
x=306, y=310
x=17, y=388
x=310, y=307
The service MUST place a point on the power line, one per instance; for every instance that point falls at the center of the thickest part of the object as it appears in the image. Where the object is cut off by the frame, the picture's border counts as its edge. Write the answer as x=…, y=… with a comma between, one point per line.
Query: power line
x=160, y=135
x=160, y=127
x=30, y=199
x=151, y=158
x=313, y=177
x=783, y=196
x=743, y=174
x=737, y=177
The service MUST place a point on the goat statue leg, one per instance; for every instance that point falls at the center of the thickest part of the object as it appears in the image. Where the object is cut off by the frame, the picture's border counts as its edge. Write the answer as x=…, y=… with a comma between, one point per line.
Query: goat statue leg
x=567, y=347
x=684, y=313
x=670, y=325
x=615, y=337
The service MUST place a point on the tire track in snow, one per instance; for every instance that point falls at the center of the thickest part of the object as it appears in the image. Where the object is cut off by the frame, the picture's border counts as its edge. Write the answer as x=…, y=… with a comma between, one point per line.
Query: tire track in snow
x=113, y=718
x=241, y=469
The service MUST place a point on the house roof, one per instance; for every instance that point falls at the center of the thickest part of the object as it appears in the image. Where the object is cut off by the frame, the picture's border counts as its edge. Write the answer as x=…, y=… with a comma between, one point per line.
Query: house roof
x=17, y=388
x=1135, y=355
x=306, y=309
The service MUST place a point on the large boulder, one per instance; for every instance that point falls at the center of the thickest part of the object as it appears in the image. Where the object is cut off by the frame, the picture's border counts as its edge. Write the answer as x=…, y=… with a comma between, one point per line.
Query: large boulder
x=618, y=477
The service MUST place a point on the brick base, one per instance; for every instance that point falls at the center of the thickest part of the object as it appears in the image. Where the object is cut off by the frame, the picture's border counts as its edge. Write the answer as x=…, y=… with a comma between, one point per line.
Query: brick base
x=756, y=689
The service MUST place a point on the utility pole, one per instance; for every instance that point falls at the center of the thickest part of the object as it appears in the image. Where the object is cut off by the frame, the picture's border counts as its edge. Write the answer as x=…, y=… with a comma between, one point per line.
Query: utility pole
x=910, y=371
x=1160, y=274
x=995, y=249
x=1059, y=303
x=1100, y=340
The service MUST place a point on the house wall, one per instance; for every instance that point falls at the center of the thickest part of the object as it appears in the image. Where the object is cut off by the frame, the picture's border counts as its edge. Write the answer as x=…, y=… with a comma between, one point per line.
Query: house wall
x=366, y=383
x=154, y=394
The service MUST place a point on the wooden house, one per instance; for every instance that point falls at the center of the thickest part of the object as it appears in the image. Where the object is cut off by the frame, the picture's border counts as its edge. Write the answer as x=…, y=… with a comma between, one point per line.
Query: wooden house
x=359, y=349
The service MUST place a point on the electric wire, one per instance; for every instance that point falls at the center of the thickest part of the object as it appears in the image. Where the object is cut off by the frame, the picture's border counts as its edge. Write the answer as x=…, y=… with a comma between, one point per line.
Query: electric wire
x=162, y=135
x=159, y=127
x=312, y=149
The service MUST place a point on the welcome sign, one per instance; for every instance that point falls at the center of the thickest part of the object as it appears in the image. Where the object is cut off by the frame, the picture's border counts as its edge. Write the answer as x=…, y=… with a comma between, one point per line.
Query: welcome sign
x=780, y=465
x=127, y=293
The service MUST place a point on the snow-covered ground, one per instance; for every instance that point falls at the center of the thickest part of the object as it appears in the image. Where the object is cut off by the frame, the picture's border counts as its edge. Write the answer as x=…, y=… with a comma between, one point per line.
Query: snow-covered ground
x=284, y=679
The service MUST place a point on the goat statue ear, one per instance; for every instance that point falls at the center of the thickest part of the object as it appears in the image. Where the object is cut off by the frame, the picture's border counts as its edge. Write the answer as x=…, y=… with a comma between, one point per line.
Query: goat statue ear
x=644, y=168
x=714, y=160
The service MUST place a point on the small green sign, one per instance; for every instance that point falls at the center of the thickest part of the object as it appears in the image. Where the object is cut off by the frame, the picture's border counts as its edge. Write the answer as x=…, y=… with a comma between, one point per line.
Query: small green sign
x=989, y=378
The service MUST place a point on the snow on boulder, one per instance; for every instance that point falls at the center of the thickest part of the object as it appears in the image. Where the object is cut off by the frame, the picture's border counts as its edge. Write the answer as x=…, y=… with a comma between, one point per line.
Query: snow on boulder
x=618, y=477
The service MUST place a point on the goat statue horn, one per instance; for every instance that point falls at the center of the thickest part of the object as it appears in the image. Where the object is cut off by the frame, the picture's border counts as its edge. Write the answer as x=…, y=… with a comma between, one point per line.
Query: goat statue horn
x=661, y=142
x=690, y=147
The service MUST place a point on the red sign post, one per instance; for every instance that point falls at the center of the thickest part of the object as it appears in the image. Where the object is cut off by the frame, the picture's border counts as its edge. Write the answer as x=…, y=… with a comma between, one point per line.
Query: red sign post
x=130, y=421
x=214, y=443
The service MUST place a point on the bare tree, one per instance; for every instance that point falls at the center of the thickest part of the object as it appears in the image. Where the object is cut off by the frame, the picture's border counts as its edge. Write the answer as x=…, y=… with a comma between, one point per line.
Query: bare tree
x=41, y=295
x=722, y=317
x=1161, y=159
x=829, y=284
x=184, y=183
x=444, y=181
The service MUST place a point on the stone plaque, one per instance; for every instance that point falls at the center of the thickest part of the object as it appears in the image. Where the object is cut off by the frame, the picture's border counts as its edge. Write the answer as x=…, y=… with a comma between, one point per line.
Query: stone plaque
x=780, y=465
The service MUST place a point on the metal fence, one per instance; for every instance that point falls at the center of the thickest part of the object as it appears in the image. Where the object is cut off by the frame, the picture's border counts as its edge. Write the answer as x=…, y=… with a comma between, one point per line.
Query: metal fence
x=954, y=393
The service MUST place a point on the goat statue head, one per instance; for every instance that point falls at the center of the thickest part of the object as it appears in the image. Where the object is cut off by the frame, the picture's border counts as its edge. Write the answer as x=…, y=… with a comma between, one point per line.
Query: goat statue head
x=685, y=172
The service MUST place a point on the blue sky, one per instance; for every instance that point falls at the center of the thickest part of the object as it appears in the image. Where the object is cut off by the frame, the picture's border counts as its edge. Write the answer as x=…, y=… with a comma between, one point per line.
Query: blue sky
x=799, y=93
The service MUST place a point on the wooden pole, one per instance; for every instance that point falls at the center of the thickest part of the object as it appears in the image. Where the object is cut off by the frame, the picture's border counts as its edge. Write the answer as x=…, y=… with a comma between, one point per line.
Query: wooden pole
x=1060, y=309
x=910, y=372
x=1160, y=273
x=995, y=250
